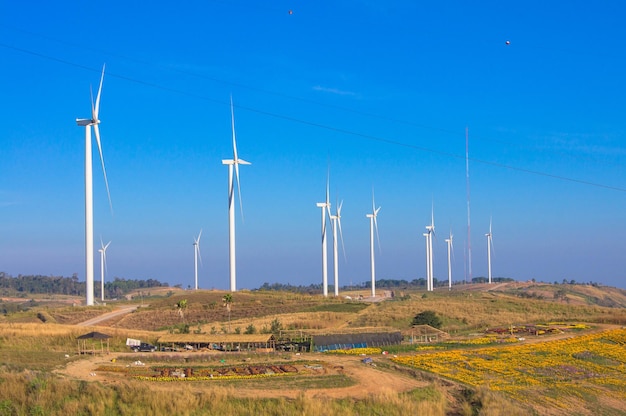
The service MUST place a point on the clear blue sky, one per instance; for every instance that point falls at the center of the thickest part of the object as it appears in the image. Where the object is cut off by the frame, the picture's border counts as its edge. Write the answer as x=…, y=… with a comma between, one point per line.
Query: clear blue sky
x=384, y=92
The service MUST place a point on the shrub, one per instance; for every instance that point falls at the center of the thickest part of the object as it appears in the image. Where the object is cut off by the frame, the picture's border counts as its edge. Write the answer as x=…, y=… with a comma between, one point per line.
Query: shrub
x=427, y=318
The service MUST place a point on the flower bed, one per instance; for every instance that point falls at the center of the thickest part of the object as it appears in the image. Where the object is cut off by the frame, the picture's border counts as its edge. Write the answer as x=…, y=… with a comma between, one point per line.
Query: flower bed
x=591, y=363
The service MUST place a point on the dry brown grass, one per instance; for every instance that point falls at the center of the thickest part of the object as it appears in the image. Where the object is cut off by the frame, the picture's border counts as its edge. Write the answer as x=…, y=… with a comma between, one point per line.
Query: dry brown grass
x=38, y=393
x=295, y=321
x=462, y=311
x=59, y=338
x=42, y=346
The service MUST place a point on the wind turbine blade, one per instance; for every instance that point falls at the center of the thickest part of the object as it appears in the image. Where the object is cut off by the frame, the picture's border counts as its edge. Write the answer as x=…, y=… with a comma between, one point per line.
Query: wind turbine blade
x=199, y=254
x=491, y=235
x=376, y=228
x=96, y=109
x=432, y=216
x=239, y=188
x=452, y=245
x=232, y=122
x=341, y=232
x=104, y=171
x=236, y=160
x=197, y=246
x=432, y=221
x=373, y=202
x=328, y=187
x=94, y=115
x=104, y=255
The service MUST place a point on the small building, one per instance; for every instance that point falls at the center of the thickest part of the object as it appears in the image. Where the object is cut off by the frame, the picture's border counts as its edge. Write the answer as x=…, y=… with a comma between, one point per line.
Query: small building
x=219, y=342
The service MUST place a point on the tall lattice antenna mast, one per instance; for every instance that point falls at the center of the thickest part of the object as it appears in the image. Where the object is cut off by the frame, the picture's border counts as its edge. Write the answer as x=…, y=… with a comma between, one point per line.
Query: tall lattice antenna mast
x=468, y=277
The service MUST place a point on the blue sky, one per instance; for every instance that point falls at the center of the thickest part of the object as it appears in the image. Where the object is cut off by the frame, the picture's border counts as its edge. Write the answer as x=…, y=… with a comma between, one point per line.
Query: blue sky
x=381, y=92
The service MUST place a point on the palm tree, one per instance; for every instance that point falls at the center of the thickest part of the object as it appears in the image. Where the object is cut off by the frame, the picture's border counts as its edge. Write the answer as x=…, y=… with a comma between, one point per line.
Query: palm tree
x=228, y=300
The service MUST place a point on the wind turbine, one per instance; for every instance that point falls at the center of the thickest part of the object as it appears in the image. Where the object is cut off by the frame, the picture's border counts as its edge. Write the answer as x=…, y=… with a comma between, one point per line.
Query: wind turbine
x=427, y=235
x=103, y=263
x=234, y=162
x=88, y=123
x=373, y=224
x=450, y=249
x=325, y=206
x=430, y=232
x=336, y=223
x=489, y=246
x=196, y=255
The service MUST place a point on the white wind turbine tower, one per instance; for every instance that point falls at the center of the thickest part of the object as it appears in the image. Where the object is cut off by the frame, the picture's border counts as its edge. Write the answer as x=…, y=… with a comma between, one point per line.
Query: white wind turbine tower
x=450, y=248
x=103, y=263
x=430, y=231
x=336, y=223
x=196, y=255
x=373, y=225
x=235, y=162
x=427, y=236
x=489, y=246
x=88, y=124
x=325, y=206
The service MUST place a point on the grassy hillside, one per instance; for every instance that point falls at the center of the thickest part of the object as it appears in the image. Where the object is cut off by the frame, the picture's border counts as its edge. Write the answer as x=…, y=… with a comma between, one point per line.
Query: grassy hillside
x=36, y=343
x=464, y=309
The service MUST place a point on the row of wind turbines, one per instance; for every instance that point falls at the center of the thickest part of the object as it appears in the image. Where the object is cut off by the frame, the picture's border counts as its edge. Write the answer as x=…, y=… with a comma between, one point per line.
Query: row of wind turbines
x=429, y=234
x=233, y=174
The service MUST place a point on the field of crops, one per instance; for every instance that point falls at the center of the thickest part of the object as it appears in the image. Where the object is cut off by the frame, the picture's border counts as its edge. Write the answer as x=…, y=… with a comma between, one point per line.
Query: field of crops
x=567, y=372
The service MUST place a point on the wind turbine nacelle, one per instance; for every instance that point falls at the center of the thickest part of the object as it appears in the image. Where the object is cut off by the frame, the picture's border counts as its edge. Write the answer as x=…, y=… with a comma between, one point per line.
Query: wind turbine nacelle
x=83, y=122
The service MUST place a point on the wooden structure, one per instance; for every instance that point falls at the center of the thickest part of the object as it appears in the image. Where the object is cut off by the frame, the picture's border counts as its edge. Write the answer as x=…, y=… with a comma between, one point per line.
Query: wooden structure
x=219, y=342
x=426, y=334
x=85, y=348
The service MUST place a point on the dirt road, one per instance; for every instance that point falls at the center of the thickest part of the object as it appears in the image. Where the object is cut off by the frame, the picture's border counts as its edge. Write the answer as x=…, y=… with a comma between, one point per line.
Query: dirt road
x=369, y=379
x=109, y=315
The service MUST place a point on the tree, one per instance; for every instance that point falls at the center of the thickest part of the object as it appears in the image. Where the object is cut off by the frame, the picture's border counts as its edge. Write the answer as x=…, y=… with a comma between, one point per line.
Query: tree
x=228, y=300
x=276, y=326
x=427, y=318
x=181, y=306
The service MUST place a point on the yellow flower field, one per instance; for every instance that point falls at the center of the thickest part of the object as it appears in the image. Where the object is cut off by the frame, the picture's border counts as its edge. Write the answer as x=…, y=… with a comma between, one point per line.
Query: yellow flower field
x=582, y=365
x=359, y=351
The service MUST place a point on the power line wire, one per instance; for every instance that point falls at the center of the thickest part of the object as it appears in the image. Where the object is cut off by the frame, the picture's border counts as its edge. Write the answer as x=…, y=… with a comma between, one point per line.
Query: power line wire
x=315, y=124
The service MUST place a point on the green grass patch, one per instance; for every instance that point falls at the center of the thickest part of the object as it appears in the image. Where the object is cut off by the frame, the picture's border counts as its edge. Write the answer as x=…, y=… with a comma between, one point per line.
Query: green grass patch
x=337, y=307
x=18, y=360
x=292, y=383
x=430, y=393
